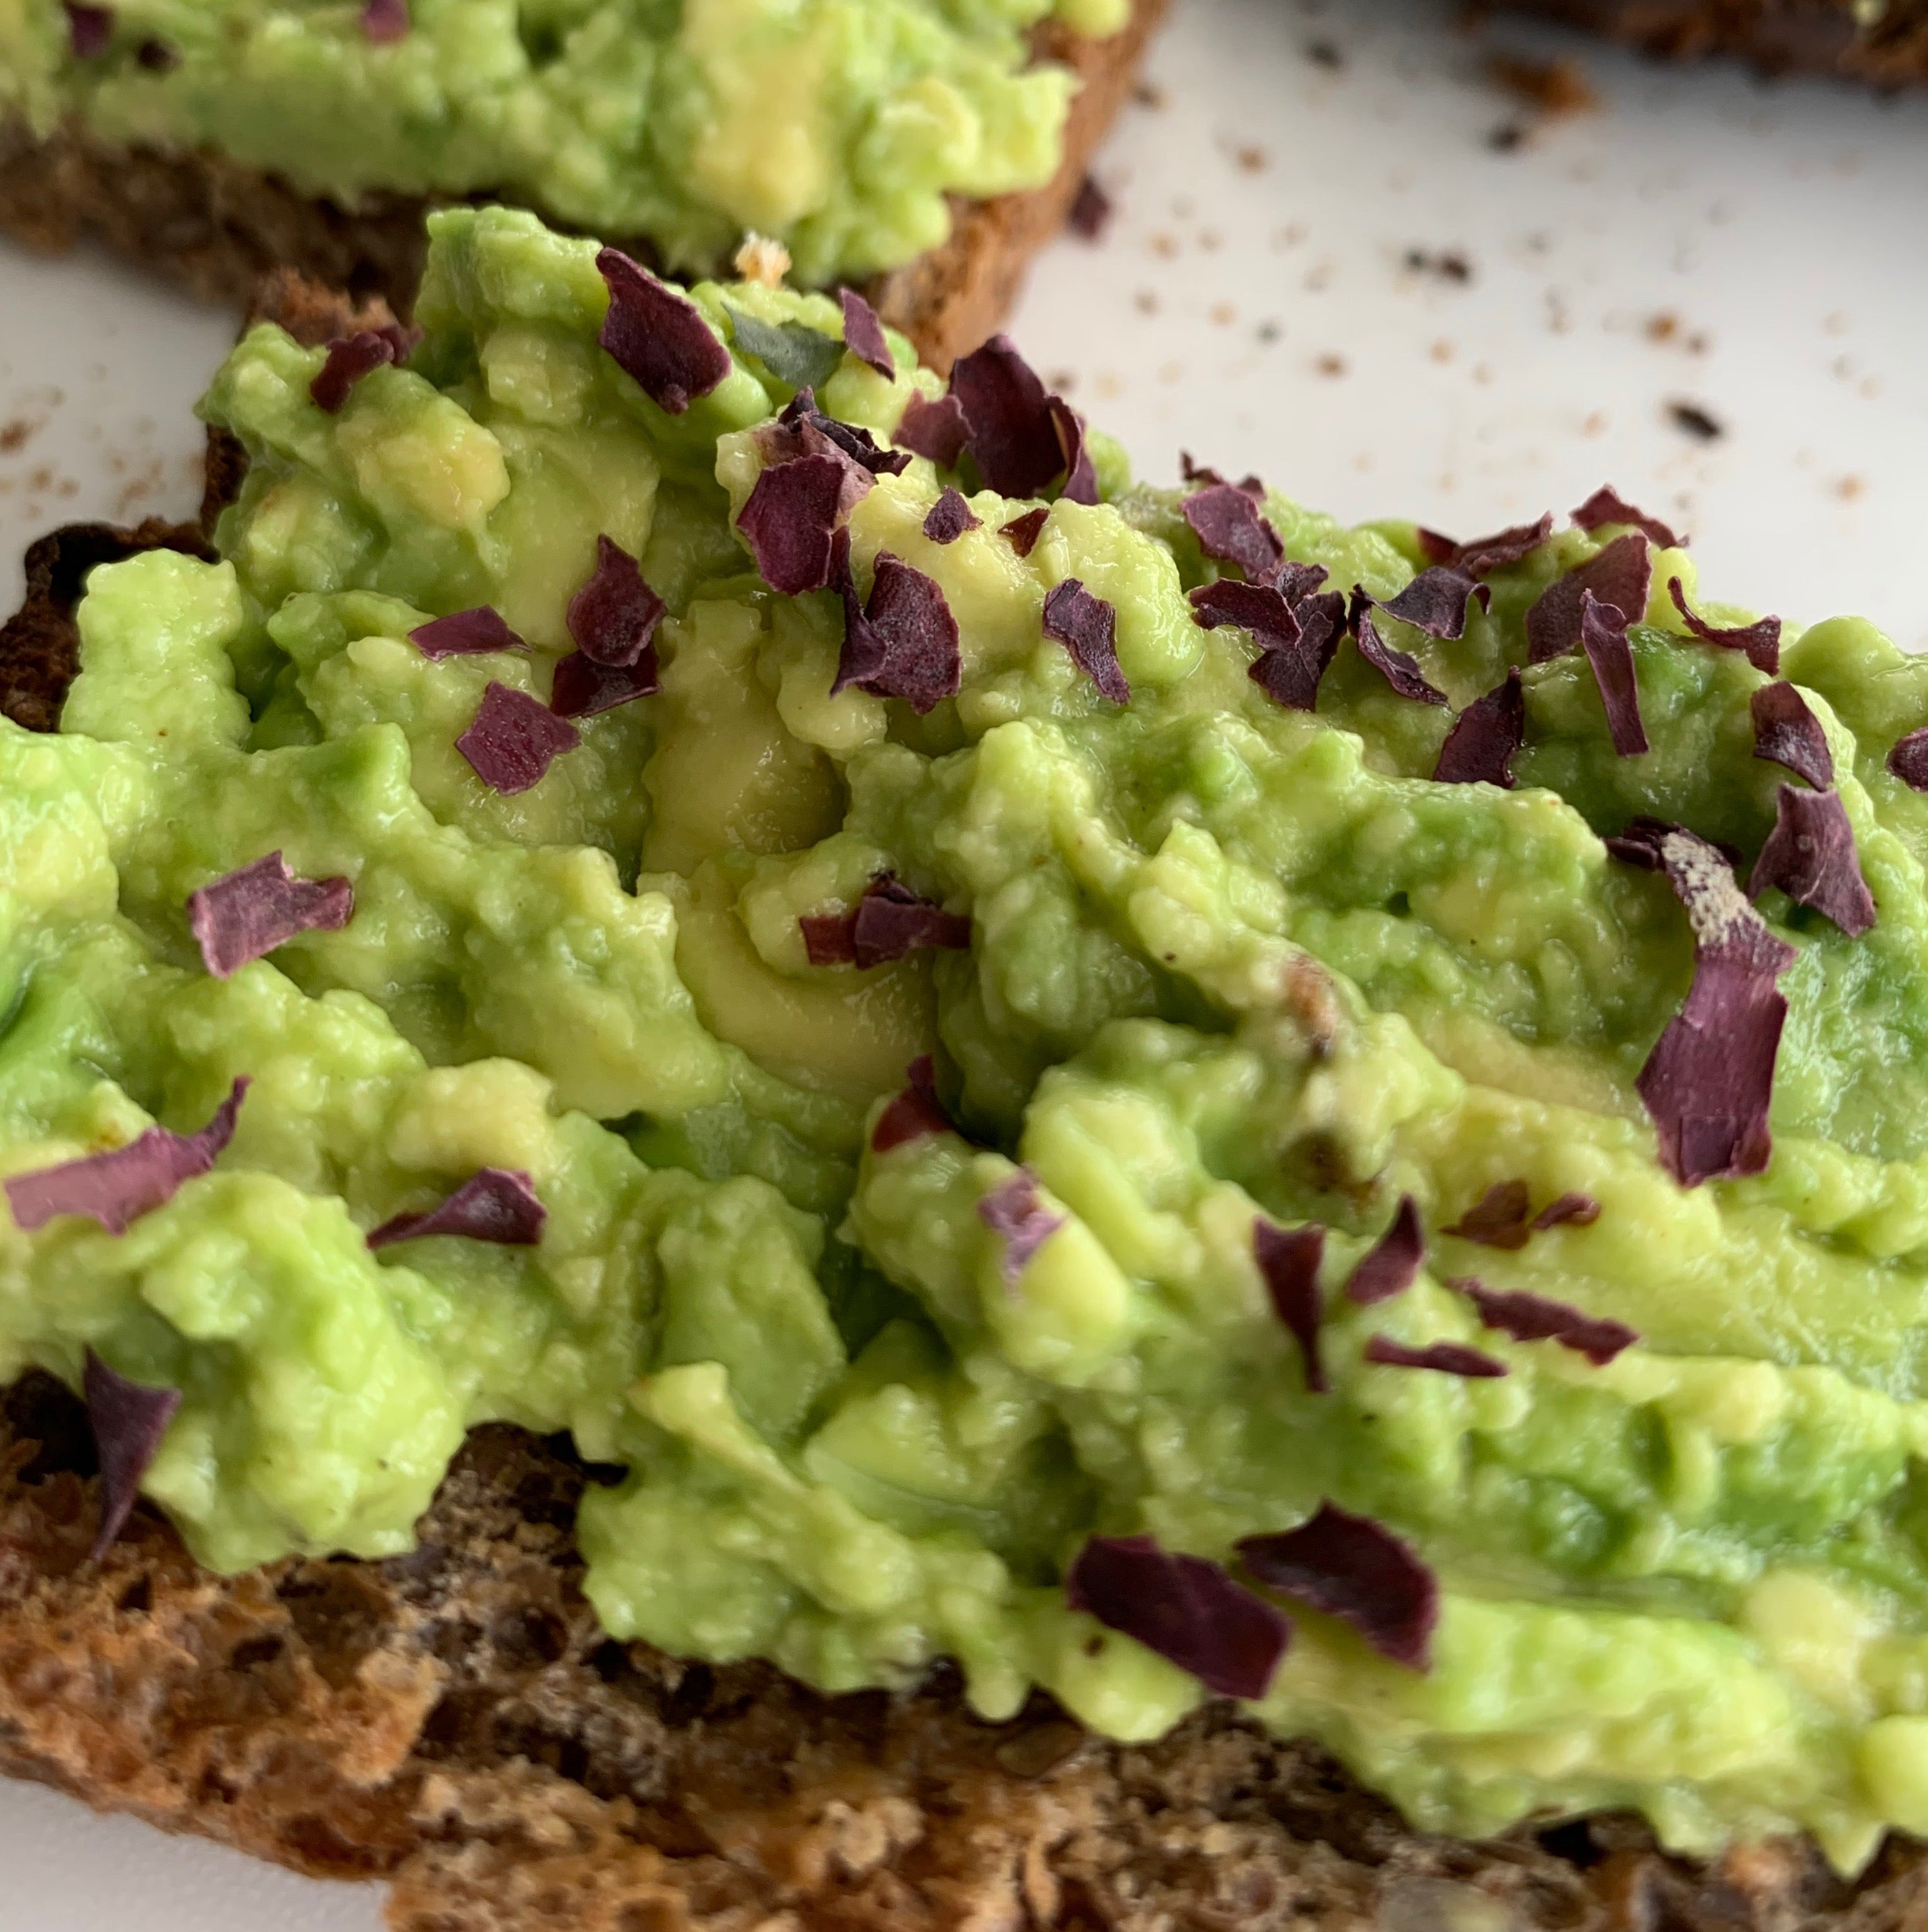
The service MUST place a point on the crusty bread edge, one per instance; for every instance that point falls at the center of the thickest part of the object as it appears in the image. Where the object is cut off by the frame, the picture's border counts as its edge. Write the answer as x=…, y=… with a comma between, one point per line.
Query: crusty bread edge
x=217, y=226
x=1777, y=37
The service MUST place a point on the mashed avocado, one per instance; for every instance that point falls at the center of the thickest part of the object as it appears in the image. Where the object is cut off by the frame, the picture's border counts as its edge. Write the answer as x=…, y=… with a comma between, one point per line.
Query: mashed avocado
x=839, y=127
x=1209, y=980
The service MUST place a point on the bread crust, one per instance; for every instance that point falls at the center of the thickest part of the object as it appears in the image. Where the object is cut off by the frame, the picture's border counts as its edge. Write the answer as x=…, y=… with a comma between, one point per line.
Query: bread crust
x=1777, y=36
x=217, y=226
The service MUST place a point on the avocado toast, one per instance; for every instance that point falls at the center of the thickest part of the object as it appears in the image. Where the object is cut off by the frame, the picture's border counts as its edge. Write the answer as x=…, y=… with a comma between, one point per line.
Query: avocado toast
x=923, y=150
x=1379, y=1241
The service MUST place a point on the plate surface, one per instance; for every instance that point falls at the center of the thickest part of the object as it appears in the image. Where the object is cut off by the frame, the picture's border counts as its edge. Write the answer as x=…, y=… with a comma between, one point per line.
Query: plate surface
x=1324, y=266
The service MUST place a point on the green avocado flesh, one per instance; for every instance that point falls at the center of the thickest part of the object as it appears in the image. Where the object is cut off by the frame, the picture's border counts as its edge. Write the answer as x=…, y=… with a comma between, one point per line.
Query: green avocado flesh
x=838, y=126
x=1226, y=960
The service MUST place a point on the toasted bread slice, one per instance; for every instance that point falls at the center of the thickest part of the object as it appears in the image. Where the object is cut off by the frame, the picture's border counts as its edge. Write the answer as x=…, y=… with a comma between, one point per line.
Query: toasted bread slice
x=1888, y=48
x=217, y=227
x=454, y=1721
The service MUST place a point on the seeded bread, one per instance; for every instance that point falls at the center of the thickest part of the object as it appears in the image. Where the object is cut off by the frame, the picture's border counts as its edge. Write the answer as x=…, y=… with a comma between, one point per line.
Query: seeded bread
x=1888, y=48
x=454, y=1721
x=217, y=226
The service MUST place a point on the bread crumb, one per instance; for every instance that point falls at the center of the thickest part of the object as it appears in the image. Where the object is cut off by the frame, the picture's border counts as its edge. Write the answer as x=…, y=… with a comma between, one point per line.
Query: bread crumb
x=1551, y=89
x=1692, y=420
x=1663, y=327
x=1329, y=365
x=760, y=259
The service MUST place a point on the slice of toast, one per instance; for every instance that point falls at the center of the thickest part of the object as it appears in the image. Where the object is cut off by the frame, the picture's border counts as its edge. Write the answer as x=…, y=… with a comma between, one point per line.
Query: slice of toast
x=454, y=1722
x=1888, y=48
x=217, y=226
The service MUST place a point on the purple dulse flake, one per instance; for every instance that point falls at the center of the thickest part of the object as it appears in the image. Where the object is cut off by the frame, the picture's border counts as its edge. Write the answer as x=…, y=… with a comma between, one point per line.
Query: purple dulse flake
x=1257, y=608
x=1391, y=1264
x=1087, y=626
x=1761, y=639
x=1498, y=1219
x=950, y=516
x=1228, y=526
x=513, y=740
x=1090, y=210
x=1574, y=1210
x=938, y=430
x=658, y=338
x=1810, y=856
x=1709, y=1080
x=247, y=913
x=1401, y=672
x=1620, y=575
x=1288, y=1259
x=1292, y=659
x=495, y=1204
x=1351, y=1568
x=465, y=634
x=614, y=617
x=1186, y=1608
x=893, y=921
x=1012, y=433
x=1449, y=1358
x=1480, y=748
x=89, y=30
x=350, y=358
x=789, y=521
x=830, y=938
x=1022, y=532
x=1787, y=733
x=1203, y=473
x=1479, y=555
x=1527, y=1317
x=1607, y=506
x=888, y=921
x=1908, y=760
x=583, y=688
x=904, y=643
x=864, y=333
x=913, y=1113
x=1707, y=1083
x=1014, y=1213
x=116, y=1188
x=385, y=21
x=1436, y=601
x=128, y=1420
x=804, y=429
x=1603, y=637
x=1080, y=484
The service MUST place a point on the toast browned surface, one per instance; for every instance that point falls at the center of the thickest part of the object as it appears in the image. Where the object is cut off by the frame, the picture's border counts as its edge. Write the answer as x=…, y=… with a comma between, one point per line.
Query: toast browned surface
x=217, y=226
x=454, y=1721
x=1777, y=36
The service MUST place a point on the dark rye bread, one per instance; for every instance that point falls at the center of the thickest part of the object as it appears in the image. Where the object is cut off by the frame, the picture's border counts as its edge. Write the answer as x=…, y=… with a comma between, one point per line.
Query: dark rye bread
x=1777, y=36
x=454, y=1721
x=218, y=227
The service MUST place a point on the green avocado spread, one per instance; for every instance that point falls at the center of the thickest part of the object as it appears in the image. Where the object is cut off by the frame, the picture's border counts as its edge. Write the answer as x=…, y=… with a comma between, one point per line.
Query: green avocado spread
x=1209, y=971
x=838, y=126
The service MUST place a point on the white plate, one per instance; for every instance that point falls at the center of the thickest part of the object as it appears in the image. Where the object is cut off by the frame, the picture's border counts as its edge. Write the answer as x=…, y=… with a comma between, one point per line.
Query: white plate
x=1252, y=301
